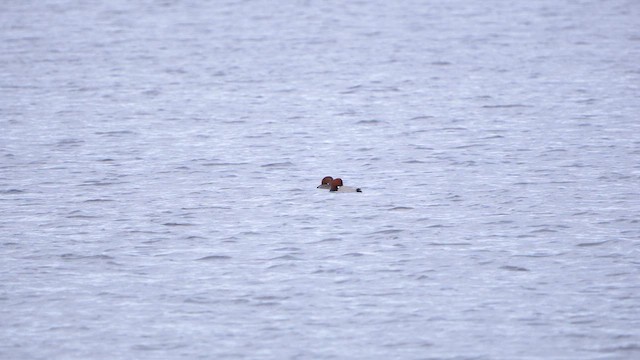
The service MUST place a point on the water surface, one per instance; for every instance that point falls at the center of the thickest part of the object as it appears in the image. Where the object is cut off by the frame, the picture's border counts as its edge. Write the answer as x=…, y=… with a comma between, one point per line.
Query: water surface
x=158, y=165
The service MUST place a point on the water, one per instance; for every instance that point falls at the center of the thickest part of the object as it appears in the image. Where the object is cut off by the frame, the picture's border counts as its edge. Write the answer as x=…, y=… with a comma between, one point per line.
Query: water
x=159, y=161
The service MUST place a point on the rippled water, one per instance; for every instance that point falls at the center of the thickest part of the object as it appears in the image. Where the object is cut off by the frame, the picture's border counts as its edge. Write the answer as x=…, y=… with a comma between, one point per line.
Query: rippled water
x=159, y=164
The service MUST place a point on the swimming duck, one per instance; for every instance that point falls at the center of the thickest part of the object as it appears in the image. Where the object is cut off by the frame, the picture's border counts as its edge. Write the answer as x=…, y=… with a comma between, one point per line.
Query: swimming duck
x=337, y=185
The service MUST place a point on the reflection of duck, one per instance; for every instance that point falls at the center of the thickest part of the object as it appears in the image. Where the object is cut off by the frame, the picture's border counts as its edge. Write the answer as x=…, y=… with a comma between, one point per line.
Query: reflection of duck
x=325, y=183
x=337, y=185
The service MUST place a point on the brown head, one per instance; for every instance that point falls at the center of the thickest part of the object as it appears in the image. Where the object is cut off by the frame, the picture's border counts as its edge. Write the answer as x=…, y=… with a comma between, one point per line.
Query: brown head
x=325, y=183
x=335, y=183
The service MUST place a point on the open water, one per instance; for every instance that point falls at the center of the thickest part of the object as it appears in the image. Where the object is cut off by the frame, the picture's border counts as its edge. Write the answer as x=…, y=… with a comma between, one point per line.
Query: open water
x=159, y=163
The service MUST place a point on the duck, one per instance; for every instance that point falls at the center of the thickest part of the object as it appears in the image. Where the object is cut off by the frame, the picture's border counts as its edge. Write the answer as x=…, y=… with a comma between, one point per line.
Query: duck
x=325, y=183
x=337, y=185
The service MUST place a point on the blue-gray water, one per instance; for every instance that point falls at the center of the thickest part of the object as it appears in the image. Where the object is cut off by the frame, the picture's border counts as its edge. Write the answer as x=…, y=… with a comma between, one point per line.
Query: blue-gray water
x=159, y=163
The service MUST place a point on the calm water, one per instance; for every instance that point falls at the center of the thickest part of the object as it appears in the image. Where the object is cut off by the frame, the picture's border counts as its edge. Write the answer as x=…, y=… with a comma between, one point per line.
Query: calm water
x=159, y=163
